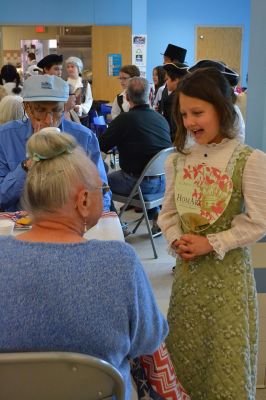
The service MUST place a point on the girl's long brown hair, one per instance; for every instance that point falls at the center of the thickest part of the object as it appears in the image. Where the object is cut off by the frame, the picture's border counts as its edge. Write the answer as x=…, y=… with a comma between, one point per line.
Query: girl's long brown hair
x=209, y=85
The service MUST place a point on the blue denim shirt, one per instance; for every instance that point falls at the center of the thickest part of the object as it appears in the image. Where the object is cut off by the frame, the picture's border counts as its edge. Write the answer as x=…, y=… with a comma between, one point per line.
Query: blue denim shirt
x=13, y=139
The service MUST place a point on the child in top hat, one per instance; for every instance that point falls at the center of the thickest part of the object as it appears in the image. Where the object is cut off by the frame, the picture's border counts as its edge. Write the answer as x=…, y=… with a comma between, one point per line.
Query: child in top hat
x=174, y=54
x=174, y=72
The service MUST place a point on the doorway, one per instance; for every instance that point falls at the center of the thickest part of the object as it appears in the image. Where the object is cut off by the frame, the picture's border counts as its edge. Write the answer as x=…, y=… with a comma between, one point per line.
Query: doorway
x=221, y=44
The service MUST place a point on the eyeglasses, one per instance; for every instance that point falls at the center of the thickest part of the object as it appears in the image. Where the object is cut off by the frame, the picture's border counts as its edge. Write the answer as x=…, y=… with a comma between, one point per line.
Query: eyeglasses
x=42, y=115
x=104, y=188
x=122, y=78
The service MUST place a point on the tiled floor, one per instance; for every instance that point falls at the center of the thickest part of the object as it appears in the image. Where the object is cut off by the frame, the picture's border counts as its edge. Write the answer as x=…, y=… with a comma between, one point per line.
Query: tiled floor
x=159, y=271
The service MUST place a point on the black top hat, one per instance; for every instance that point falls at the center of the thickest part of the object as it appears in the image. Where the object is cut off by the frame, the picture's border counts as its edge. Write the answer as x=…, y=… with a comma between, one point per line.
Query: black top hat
x=176, y=69
x=175, y=53
x=51, y=59
x=231, y=75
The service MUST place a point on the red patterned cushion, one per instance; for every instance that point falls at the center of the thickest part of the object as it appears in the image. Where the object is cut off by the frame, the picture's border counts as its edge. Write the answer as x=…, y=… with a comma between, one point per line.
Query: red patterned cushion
x=161, y=375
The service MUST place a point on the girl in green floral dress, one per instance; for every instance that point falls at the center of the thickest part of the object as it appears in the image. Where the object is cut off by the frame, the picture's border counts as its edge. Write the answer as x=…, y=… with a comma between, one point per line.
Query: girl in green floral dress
x=214, y=207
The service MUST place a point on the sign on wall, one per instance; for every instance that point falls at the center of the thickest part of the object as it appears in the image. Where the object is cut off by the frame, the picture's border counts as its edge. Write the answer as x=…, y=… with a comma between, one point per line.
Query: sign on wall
x=139, y=52
x=114, y=64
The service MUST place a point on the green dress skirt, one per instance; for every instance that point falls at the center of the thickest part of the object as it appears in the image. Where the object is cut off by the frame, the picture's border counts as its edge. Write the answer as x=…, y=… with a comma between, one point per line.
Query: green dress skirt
x=213, y=318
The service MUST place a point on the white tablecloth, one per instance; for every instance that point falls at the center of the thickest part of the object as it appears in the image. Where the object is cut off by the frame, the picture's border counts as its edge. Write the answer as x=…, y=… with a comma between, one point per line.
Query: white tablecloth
x=107, y=228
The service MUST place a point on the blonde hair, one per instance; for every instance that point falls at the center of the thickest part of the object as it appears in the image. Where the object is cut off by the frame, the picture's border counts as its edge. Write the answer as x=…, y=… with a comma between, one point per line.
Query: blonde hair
x=60, y=166
x=11, y=108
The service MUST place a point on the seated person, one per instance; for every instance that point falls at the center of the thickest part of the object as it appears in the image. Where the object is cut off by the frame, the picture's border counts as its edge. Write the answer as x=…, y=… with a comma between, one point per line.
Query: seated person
x=120, y=103
x=138, y=134
x=53, y=65
x=60, y=292
x=44, y=98
x=11, y=108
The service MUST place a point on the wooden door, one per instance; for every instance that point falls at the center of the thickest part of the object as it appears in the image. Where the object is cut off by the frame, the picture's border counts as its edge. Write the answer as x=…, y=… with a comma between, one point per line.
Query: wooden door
x=220, y=43
x=108, y=40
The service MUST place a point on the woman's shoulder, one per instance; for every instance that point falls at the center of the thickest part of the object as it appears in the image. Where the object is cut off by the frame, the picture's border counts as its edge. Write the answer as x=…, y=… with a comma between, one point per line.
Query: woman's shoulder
x=112, y=251
x=115, y=256
x=112, y=248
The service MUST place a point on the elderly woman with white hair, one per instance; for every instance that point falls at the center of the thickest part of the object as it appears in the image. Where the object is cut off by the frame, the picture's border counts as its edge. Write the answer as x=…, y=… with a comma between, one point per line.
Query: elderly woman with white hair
x=81, y=88
x=60, y=292
x=11, y=108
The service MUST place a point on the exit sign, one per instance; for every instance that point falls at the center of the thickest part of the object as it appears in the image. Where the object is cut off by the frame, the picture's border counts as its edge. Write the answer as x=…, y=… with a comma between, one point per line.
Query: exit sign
x=40, y=29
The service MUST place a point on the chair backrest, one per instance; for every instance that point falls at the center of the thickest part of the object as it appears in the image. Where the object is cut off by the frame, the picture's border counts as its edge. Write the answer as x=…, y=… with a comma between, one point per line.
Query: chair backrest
x=58, y=376
x=100, y=121
x=92, y=114
x=156, y=165
x=105, y=109
x=88, y=119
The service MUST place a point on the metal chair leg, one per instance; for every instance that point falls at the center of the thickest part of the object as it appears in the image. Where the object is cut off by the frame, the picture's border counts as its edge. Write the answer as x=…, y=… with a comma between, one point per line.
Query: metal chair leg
x=138, y=224
x=148, y=224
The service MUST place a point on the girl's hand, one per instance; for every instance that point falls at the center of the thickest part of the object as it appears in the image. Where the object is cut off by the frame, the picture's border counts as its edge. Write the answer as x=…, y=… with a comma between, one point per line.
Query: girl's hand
x=176, y=243
x=190, y=246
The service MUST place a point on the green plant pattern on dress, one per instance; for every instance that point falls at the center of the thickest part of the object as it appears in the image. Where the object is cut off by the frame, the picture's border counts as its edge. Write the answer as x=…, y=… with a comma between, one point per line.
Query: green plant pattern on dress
x=213, y=321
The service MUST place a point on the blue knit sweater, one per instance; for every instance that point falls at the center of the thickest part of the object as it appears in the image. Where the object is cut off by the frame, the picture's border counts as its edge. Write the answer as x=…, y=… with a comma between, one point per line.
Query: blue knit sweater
x=91, y=298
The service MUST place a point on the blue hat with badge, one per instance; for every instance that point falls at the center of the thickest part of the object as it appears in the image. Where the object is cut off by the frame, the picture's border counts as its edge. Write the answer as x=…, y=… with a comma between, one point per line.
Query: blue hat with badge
x=45, y=88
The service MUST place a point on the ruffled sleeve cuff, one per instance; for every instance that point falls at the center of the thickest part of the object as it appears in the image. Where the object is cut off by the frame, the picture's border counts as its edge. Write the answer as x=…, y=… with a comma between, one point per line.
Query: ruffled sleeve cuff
x=216, y=245
x=171, y=251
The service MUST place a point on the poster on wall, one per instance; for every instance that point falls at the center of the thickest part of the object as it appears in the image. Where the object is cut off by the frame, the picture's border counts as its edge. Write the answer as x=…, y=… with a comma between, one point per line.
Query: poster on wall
x=139, y=52
x=114, y=64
